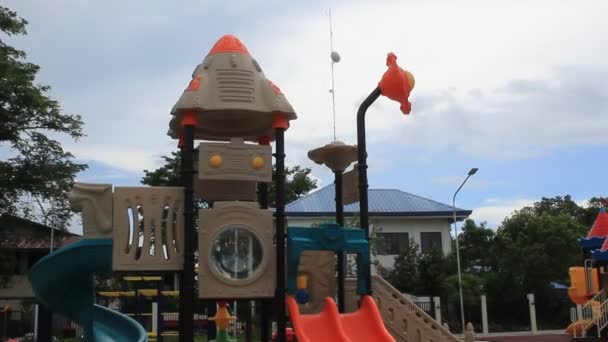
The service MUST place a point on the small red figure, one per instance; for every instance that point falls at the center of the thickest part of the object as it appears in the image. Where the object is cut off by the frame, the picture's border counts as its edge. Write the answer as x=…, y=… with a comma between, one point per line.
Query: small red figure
x=396, y=83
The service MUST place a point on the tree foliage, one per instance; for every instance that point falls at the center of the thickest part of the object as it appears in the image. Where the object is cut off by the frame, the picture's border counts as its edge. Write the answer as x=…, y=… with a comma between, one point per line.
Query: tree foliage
x=405, y=276
x=298, y=183
x=476, y=243
x=532, y=248
x=36, y=173
x=167, y=175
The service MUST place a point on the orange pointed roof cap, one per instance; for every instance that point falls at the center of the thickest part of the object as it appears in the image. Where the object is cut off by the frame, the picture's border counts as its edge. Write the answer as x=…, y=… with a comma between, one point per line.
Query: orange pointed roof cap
x=228, y=43
x=600, y=226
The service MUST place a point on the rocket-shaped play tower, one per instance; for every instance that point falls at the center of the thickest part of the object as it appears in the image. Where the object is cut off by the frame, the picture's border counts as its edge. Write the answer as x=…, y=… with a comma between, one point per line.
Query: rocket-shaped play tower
x=229, y=99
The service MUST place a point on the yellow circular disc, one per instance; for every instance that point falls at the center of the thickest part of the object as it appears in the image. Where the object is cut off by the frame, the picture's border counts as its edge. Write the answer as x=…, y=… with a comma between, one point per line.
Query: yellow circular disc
x=257, y=162
x=215, y=160
x=410, y=79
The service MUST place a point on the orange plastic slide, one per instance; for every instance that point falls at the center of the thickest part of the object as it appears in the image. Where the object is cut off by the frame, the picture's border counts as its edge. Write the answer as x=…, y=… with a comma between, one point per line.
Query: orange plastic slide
x=362, y=325
x=578, y=290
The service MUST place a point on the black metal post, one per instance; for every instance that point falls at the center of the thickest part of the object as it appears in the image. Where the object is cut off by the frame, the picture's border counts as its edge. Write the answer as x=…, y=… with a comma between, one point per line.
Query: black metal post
x=186, y=284
x=248, y=320
x=266, y=307
x=211, y=326
x=363, y=185
x=138, y=306
x=160, y=318
x=45, y=324
x=340, y=222
x=280, y=233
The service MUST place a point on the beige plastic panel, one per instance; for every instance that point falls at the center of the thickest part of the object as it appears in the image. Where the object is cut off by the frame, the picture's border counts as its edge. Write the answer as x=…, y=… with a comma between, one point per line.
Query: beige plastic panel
x=248, y=216
x=232, y=98
x=238, y=161
x=148, y=229
x=350, y=186
x=319, y=266
x=223, y=190
x=402, y=317
x=336, y=155
x=95, y=203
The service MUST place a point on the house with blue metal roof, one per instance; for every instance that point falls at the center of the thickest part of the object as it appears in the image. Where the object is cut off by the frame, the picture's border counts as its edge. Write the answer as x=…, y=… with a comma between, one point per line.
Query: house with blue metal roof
x=396, y=215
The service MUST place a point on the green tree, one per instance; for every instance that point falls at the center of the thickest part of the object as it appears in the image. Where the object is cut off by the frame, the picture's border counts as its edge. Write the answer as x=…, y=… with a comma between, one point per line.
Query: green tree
x=534, y=247
x=298, y=183
x=405, y=276
x=558, y=205
x=534, y=250
x=36, y=173
x=167, y=175
x=433, y=268
x=475, y=243
x=472, y=288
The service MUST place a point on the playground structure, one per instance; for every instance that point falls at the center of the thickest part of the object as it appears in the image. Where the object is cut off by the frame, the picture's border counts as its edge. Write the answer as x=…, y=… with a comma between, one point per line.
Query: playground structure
x=589, y=285
x=155, y=317
x=237, y=112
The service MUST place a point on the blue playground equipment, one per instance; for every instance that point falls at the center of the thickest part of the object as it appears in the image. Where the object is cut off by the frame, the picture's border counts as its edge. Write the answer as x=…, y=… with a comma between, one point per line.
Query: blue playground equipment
x=63, y=281
x=327, y=237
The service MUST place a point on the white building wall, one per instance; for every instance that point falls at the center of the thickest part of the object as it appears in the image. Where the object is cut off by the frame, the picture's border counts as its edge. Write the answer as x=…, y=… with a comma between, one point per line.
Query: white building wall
x=413, y=226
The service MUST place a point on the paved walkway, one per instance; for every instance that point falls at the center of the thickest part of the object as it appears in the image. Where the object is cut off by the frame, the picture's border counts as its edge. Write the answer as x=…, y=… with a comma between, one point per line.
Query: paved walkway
x=526, y=336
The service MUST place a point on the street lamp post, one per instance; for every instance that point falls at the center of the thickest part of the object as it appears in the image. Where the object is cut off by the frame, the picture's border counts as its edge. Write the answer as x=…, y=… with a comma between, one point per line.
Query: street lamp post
x=471, y=172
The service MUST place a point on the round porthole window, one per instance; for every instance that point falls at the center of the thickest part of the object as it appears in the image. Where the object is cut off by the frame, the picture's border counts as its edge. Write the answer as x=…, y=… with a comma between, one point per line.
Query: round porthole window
x=236, y=253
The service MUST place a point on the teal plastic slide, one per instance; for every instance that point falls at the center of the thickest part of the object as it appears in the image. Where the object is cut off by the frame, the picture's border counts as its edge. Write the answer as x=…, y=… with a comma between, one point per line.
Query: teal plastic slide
x=63, y=281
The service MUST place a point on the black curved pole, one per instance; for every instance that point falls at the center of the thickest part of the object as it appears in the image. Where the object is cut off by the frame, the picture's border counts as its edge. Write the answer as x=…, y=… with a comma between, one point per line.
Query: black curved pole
x=363, y=185
x=340, y=222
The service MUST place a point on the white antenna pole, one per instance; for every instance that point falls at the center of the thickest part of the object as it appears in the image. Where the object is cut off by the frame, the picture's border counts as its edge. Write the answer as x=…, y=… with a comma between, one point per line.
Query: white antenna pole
x=331, y=51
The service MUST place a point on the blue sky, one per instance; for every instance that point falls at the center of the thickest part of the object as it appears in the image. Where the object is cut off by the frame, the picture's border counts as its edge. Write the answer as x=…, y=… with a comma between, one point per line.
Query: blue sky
x=518, y=89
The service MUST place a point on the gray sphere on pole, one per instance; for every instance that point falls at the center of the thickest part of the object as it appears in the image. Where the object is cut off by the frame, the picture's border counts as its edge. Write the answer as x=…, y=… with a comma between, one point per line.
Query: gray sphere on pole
x=335, y=57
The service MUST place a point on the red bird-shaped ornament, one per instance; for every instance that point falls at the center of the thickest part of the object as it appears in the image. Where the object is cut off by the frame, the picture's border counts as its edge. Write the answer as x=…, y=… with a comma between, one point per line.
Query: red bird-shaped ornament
x=396, y=83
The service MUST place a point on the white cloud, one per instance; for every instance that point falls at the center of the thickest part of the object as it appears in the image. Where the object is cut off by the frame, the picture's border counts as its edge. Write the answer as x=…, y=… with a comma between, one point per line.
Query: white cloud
x=466, y=56
x=495, y=210
x=488, y=86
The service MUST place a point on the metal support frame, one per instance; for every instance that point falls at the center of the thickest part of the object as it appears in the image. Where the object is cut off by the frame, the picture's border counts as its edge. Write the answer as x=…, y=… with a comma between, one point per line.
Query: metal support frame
x=186, y=284
x=266, y=308
x=45, y=324
x=211, y=307
x=340, y=254
x=160, y=306
x=363, y=184
x=280, y=233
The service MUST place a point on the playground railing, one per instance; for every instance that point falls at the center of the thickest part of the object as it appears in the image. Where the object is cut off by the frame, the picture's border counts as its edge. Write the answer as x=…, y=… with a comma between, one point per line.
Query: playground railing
x=602, y=320
x=573, y=319
x=592, y=310
x=402, y=317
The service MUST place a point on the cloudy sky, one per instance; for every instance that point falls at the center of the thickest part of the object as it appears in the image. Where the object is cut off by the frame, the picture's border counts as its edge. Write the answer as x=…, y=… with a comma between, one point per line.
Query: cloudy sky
x=518, y=89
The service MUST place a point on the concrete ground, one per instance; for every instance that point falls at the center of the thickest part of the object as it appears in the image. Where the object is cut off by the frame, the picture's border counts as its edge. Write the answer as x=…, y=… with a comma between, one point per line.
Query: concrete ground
x=526, y=336
x=529, y=338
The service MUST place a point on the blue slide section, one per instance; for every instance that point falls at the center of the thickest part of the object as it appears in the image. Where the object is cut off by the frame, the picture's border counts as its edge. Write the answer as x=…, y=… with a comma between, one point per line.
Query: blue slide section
x=63, y=281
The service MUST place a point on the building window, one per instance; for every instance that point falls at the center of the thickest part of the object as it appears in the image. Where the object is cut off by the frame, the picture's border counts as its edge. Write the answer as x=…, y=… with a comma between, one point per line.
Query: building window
x=430, y=241
x=394, y=243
